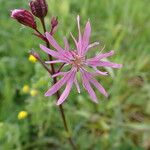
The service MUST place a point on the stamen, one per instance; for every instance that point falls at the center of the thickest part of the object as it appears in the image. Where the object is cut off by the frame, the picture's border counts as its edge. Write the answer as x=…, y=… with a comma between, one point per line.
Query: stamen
x=78, y=61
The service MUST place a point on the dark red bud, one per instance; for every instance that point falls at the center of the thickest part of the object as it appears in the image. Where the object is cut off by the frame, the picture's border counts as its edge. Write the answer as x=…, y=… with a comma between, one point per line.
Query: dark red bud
x=38, y=8
x=54, y=22
x=35, y=54
x=24, y=17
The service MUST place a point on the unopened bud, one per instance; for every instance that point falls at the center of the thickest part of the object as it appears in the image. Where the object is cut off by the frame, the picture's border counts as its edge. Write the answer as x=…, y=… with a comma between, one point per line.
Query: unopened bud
x=24, y=17
x=34, y=54
x=38, y=8
x=54, y=22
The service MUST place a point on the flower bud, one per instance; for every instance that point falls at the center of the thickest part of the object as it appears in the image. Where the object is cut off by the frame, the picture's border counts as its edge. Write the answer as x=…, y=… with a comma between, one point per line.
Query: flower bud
x=38, y=8
x=54, y=22
x=33, y=56
x=24, y=17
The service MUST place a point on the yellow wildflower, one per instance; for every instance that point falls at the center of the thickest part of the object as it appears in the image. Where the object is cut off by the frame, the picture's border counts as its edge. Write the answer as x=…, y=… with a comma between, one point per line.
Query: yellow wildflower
x=25, y=89
x=22, y=115
x=33, y=92
x=32, y=59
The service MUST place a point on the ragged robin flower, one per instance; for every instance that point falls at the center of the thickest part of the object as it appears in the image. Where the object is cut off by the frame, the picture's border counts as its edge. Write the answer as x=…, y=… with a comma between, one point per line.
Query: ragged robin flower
x=78, y=62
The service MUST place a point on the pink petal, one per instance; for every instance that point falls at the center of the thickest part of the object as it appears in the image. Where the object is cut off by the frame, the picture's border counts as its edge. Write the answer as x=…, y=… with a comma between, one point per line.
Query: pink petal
x=109, y=64
x=86, y=36
x=91, y=46
x=54, y=61
x=67, y=52
x=88, y=87
x=96, y=84
x=101, y=56
x=103, y=64
x=50, y=52
x=58, y=74
x=55, y=54
x=80, y=37
x=58, y=85
x=100, y=72
x=67, y=47
x=53, y=42
x=77, y=85
x=66, y=92
x=99, y=87
x=76, y=43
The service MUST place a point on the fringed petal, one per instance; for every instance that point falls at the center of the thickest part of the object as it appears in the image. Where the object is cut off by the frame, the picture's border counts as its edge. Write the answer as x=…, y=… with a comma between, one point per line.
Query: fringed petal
x=91, y=46
x=88, y=87
x=53, y=42
x=67, y=47
x=66, y=92
x=51, y=52
x=86, y=37
x=58, y=85
x=80, y=36
x=54, y=61
x=100, y=72
x=77, y=85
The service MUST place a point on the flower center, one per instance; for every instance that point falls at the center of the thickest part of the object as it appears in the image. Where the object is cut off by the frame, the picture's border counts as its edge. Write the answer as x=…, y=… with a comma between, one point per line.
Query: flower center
x=78, y=61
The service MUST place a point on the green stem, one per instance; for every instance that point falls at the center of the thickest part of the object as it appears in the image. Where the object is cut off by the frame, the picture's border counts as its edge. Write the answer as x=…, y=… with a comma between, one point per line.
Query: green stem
x=58, y=94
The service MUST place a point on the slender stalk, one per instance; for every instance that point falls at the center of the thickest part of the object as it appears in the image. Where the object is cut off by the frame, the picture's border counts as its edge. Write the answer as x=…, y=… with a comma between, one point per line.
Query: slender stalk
x=47, y=44
x=57, y=93
x=42, y=63
x=65, y=124
x=60, y=68
x=43, y=24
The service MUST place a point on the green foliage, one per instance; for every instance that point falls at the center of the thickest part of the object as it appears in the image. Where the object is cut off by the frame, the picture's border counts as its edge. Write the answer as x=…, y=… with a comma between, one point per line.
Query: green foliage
x=120, y=122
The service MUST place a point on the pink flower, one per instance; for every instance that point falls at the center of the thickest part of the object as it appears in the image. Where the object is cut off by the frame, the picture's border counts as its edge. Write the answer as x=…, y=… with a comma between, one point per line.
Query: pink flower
x=79, y=63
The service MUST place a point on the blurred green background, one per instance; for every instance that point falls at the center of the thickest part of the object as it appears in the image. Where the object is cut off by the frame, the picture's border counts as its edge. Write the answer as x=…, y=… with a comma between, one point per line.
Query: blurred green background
x=121, y=122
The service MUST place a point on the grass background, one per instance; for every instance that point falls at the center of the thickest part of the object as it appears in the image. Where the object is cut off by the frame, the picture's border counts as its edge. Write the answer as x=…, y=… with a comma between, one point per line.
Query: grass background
x=121, y=123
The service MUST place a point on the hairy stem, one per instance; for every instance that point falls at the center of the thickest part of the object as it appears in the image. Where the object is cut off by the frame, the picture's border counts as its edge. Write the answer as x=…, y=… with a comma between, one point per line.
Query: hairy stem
x=43, y=24
x=60, y=68
x=47, y=44
x=41, y=62
x=58, y=94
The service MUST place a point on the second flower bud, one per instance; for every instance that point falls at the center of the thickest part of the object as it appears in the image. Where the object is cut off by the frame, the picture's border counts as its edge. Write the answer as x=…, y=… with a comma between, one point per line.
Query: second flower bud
x=38, y=8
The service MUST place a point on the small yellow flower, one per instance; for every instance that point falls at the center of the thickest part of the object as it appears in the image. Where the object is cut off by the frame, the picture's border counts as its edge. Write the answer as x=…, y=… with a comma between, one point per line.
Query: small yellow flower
x=22, y=115
x=32, y=59
x=33, y=92
x=25, y=89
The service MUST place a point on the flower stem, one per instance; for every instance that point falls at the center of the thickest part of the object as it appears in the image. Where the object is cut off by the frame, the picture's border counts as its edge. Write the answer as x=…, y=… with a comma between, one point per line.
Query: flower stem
x=60, y=68
x=43, y=24
x=57, y=93
x=66, y=127
x=41, y=62
x=60, y=106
